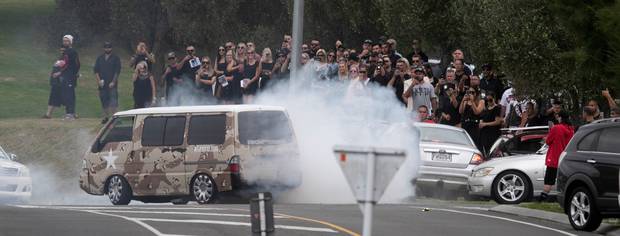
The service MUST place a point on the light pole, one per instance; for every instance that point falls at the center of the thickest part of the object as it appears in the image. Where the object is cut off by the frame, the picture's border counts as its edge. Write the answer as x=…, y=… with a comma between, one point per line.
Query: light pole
x=298, y=34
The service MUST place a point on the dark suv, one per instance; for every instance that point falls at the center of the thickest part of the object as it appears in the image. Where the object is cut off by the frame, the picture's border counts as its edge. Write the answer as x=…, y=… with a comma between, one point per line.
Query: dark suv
x=588, y=175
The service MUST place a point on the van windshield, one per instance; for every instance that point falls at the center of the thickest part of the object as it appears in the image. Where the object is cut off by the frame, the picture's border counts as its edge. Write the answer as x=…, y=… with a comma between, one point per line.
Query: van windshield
x=264, y=127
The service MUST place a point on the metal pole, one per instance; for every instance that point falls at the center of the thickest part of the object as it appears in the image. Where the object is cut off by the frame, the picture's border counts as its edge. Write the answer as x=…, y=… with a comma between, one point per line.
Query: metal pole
x=298, y=34
x=370, y=185
x=263, y=218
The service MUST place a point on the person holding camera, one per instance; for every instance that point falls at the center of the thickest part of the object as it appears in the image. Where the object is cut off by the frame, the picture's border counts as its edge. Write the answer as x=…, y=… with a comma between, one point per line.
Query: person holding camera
x=446, y=89
x=470, y=109
x=400, y=75
x=188, y=66
x=107, y=68
x=143, y=86
x=142, y=55
x=383, y=71
x=420, y=92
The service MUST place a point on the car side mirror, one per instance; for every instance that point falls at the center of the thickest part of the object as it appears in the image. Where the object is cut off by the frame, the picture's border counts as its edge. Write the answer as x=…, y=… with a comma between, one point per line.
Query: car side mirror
x=12, y=157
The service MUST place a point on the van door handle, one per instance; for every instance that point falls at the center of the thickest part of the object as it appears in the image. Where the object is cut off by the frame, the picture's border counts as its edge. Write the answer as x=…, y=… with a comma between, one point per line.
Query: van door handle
x=591, y=161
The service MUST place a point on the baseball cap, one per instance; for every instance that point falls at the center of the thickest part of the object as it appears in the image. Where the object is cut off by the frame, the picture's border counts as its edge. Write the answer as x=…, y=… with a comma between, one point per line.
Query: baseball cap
x=107, y=45
x=368, y=41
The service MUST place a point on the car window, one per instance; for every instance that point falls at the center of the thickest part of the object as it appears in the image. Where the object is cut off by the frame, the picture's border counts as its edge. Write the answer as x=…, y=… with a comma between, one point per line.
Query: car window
x=163, y=131
x=441, y=135
x=210, y=129
x=120, y=130
x=588, y=143
x=609, y=141
x=257, y=127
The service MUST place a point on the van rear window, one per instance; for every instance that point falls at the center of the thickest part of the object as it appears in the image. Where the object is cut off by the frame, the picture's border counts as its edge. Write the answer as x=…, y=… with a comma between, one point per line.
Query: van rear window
x=258, y=127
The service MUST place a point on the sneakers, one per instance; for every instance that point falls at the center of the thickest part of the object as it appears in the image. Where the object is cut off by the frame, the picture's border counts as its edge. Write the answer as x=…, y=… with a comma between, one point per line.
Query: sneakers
x=69, y=117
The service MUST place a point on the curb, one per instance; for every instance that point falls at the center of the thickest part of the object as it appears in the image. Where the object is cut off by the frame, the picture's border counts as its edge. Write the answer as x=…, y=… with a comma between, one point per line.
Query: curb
x=605, y=229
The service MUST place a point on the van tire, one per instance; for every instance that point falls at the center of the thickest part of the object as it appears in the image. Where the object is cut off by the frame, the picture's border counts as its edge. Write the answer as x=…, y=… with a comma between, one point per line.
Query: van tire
x=118, y=190
x=203, y=189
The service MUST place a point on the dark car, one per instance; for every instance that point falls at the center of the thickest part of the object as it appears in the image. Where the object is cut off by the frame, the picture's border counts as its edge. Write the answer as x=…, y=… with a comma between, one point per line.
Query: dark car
x=588, y=175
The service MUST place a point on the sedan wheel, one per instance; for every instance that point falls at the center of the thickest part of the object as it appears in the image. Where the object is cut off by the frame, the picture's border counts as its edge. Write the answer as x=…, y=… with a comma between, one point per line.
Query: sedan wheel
x=119, y=191
x=511, y=187
x=583, y=214
x=204, y=189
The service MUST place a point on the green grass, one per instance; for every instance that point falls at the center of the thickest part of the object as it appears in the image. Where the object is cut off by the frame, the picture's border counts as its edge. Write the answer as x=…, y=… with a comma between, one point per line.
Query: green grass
x=26, y=61
x=544, y=206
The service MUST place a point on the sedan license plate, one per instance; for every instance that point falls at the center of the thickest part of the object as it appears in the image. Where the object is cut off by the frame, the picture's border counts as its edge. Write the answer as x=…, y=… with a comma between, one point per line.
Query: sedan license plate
x=444, y=157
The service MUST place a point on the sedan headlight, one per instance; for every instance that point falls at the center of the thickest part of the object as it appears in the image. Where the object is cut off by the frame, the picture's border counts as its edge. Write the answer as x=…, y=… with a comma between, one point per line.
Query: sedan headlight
x=24, y=172
x=482, y=172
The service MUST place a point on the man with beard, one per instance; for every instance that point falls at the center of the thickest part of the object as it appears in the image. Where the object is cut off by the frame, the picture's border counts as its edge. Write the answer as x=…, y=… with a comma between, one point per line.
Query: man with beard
x=107, y=68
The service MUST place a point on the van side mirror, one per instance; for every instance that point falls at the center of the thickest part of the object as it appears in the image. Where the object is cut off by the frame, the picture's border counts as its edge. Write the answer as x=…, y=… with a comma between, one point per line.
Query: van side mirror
x=12, y=156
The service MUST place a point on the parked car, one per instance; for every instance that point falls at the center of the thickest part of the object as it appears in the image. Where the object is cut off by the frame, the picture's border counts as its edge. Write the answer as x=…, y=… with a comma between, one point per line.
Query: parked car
x=515, y=173
x=448, y=155
x=15, y=181
x=518, y=141
x=589, y=173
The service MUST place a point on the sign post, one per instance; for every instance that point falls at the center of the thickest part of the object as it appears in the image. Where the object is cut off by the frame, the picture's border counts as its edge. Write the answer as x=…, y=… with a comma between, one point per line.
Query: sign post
x=368, y=171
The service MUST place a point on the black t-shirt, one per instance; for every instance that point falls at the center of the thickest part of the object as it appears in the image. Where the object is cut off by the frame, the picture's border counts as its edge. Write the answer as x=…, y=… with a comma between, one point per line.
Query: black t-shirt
x=492, y=84
x=382, y=80
x=174, y=73
x=73, y=63
x=187, y=71
x=399, y=85
x=107, y=69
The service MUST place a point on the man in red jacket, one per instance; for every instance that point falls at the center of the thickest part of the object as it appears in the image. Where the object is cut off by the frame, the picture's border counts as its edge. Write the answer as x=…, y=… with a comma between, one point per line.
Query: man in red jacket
x=557, y=139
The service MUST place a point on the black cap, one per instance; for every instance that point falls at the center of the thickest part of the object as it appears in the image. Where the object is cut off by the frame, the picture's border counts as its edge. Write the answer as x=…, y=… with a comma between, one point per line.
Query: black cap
x=368, y=41
x=420, y=69
x=107, y=45
x=487, y=66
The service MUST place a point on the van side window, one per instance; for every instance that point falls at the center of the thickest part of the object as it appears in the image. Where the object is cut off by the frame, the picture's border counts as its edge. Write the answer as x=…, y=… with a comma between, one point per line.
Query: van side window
x=609, y=141
x=119, y=130
x=588, y=143
x=163, y=131
x=207, y=129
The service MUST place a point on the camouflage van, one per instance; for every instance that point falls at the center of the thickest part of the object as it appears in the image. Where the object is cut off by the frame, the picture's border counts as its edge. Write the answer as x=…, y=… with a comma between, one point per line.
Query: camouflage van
x=180, y=154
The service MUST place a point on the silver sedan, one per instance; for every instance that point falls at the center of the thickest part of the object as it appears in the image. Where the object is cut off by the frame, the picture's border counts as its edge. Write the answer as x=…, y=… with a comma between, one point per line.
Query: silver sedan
x=448, y=156
x=510, y=180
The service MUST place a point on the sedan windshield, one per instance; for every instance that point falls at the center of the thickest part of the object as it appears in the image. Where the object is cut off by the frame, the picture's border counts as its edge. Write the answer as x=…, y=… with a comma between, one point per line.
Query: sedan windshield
x=440, y=135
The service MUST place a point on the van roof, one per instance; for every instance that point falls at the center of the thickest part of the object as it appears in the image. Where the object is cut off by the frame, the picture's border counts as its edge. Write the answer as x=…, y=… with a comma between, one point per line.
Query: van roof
x=198, y=109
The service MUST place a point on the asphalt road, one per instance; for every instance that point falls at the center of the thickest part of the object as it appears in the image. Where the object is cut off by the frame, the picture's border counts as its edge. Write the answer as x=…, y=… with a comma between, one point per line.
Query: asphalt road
x=161, y=219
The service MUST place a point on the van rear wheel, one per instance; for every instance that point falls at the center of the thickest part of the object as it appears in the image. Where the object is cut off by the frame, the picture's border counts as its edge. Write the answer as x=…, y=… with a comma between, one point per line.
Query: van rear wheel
x=119, y=191
x=204, y=189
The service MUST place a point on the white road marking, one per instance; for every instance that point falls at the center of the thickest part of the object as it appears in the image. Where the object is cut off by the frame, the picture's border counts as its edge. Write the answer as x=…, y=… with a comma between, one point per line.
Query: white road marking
x=218, y=222
x=181, y=213
x=129, y=208
x=500, y=218
x=144, y=225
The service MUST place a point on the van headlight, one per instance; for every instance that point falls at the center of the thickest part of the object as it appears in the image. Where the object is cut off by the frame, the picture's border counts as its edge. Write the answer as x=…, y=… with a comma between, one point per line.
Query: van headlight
x=482, y=172
x=24, y=172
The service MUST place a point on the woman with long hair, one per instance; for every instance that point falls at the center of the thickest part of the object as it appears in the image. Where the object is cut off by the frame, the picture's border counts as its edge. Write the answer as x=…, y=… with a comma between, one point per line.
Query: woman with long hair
x=205, y=80
x=490, y=123
x=220, y=61
x=266, y=66
x=143, y=86
x=233, y=79
x=251, y=72
x=142, y=55
x=470, y=109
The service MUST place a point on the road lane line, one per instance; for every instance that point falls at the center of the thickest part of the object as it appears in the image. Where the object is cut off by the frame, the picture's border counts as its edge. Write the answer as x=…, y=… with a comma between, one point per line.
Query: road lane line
x=500, y=218
x=181, y=213
x=235, y=223
x=144, y=225
x=337, y=227
x=127, y=208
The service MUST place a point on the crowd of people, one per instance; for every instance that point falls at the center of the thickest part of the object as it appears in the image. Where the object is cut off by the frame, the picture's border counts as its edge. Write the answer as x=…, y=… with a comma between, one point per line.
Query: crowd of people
x=460, y=94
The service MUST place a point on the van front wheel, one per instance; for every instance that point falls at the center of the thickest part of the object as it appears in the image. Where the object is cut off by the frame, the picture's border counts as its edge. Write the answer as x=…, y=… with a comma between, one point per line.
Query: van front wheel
x=119, y=191
x=204, y=189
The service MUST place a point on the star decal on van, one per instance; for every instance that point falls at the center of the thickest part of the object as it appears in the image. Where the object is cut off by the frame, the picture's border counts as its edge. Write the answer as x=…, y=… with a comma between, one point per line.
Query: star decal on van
x=110, y=159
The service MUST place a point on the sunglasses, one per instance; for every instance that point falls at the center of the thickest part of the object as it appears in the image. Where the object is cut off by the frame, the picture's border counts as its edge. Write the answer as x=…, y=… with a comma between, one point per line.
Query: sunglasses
x=320, y=55
x=415, y=61
x=353, y=71
x=362, y=72
x=171, y=58
x=221, y=49
x=206, y=62
x=330, y=55
x=190, y=50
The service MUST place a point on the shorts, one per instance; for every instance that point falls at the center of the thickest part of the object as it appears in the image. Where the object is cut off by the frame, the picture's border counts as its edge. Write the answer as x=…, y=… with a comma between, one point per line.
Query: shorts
x=550, y=175
x=108, y=98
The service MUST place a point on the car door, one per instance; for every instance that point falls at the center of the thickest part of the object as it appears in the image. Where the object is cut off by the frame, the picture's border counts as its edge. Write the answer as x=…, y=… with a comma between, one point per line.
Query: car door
x=109, y=152
x=606, y=160
x=157, y=168
x=210, y=145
